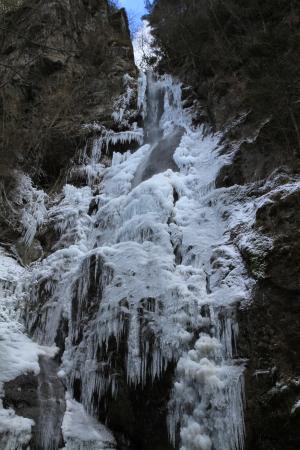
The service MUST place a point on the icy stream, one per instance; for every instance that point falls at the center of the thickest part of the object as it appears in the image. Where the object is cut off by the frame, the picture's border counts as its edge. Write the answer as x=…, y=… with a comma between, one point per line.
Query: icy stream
x=149, y=273
x=51, y=405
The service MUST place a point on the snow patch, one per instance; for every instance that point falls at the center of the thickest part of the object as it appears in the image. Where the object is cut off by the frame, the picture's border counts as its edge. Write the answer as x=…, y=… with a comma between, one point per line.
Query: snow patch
x=18, y=353
x=295, y=407
x=83, y=432
x=15, y=431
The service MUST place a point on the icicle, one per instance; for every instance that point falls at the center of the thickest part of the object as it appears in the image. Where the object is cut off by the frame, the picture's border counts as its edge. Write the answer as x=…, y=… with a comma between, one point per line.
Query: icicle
x=124, y=137
x=34, y=209
x=142, y=86
x=116, y=277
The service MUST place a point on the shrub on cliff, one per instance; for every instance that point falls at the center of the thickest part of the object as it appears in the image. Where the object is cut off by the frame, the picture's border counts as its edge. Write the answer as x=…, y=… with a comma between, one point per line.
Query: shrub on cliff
x=8, y=5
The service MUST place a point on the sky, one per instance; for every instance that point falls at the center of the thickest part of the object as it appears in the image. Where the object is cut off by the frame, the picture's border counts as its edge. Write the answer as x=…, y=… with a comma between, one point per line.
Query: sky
x=135, y=8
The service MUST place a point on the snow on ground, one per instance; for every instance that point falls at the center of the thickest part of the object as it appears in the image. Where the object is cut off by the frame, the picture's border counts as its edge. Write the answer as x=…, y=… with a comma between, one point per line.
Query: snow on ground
x=83, y=432
x=15, y=431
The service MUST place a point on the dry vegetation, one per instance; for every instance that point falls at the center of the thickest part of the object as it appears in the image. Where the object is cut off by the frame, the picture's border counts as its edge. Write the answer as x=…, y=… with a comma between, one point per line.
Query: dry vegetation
x=8, y=5
x=248, y=47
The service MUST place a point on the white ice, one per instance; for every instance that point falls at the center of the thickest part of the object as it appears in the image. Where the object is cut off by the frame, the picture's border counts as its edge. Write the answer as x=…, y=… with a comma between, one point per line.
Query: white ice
x=153, y=263
x=83, y=432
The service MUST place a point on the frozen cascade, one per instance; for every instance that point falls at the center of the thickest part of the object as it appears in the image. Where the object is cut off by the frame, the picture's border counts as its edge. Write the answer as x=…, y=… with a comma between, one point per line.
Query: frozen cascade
x=164, y=124
x=143, y=276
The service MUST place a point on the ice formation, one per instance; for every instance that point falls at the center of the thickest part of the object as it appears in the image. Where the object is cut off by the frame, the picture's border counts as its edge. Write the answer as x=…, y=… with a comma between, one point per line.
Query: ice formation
x=18, y=353
x=34, y=211
x=122, y=104
x=140, y=268
x=295, y=407
x=144, y=266
x=143, y=46
x=15, y=431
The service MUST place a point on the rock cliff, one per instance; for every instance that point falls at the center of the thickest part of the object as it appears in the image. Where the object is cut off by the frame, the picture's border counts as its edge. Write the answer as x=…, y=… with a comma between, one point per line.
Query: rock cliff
x=62, y=65
x=238, y=62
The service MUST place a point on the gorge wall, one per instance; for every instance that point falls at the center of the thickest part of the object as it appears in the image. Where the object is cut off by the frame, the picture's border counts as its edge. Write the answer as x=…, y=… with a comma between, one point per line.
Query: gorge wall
x=240, y=62
x=62, y=66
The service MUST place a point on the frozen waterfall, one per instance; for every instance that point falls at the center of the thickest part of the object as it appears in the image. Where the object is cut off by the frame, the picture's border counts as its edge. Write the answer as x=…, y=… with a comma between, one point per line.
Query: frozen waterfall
x=143, y=276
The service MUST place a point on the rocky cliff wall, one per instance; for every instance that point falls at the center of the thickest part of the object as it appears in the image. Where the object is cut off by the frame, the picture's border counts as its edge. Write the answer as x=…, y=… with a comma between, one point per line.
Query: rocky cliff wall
x=62, y=65
x=269, y=325
x=230, y=62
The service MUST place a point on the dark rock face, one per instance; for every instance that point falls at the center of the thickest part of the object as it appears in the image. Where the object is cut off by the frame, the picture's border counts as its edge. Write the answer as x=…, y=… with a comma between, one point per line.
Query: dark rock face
x=270, y=331
x=21, y=394
x=280, y=219
x=138, y=415
x=62, y=64
x=40, y=398
x=269, y=335
x=269, y=338
x=254, y=161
